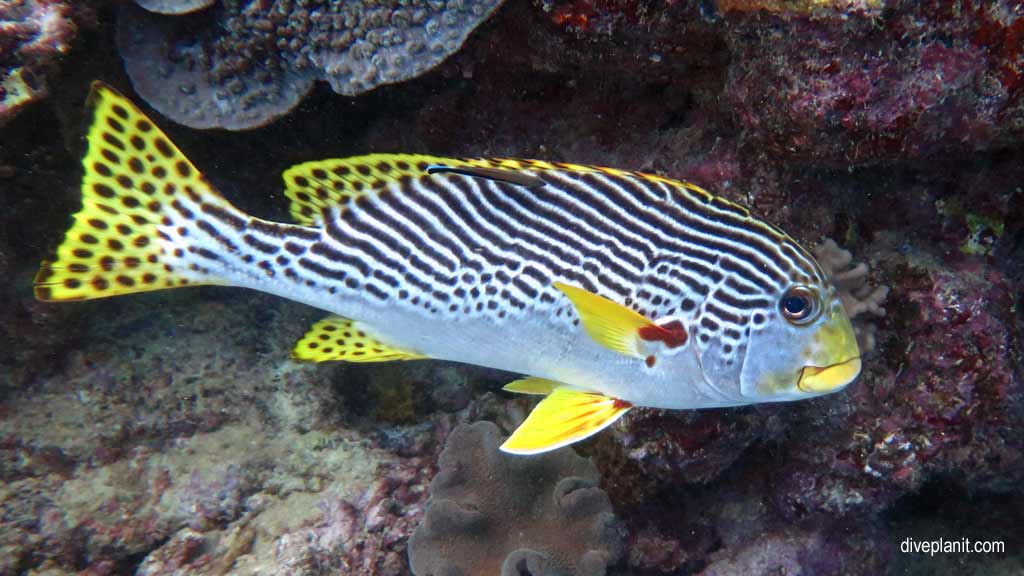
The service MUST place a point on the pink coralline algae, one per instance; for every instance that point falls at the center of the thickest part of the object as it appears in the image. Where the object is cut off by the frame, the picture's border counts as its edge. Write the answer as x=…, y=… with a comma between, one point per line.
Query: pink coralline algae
x=34, y=35
x=852, y=87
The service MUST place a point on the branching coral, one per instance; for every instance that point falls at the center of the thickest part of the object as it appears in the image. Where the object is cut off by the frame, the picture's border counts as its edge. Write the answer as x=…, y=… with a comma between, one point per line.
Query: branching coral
x=254, y=61
x=861, y=299
x=493, y=513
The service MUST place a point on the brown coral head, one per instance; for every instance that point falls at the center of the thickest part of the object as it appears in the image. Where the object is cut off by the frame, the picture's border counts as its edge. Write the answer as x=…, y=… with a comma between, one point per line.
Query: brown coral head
x=496, y=513
x=174, y=6
x=525, y=562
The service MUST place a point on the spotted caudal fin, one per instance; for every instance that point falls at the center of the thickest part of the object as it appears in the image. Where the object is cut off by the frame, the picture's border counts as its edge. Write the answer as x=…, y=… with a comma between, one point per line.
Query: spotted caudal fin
x=139, y=228
x=565, y=416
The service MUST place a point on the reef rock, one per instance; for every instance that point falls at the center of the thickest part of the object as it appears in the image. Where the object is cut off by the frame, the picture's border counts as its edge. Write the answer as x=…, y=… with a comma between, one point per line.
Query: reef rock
x=847, y=83
x=945, y=402
x=34, y=34
x=494, y=513
x=247, y=63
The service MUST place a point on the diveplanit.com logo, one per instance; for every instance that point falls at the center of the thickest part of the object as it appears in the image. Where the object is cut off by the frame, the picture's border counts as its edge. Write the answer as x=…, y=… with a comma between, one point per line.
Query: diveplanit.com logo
x=959, y=546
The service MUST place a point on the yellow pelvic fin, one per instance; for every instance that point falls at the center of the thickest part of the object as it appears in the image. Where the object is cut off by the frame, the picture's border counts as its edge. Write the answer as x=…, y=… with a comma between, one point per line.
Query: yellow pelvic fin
x=532, y=386
x=132, y=176
x=611, y=325
x=567, y=415
x=337, y=338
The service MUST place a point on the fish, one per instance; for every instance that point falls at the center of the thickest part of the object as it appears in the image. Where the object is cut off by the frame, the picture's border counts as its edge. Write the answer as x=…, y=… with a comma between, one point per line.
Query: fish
x=606, y=289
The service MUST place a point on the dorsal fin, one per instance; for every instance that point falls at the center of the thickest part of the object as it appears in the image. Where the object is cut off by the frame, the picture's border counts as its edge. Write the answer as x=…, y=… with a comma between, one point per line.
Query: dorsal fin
x=315, y=186
x=312, y=187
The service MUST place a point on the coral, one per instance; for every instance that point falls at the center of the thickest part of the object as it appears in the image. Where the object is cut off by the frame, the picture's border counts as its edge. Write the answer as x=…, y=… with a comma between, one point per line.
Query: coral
x=18, y=89
x=847, y=88
x=253, y=62
x=493, y=513
x=859, y=297
x=174, y=6
x=34, y=34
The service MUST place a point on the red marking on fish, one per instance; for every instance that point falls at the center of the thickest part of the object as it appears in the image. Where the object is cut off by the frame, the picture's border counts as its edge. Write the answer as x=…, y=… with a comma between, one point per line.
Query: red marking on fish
x=650, y=361
x=673, y=334
x=582, y=415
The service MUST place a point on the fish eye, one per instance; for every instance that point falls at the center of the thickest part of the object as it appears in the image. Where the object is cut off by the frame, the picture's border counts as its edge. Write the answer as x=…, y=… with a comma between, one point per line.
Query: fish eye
x=799, y=305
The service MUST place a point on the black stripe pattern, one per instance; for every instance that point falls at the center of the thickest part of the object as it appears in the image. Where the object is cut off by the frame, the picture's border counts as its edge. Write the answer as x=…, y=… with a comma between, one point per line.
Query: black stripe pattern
x=455, y=244
x=458, y=244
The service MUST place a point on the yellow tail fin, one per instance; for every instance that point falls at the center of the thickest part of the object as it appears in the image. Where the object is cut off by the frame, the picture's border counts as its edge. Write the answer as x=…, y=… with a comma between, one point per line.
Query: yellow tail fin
x=133, y=190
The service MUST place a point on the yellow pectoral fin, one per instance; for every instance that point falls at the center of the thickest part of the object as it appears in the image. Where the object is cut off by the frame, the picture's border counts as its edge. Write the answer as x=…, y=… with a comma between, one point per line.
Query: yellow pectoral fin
x=565, y=416
x=336, y=338
x=611, y=325
x=532, y=386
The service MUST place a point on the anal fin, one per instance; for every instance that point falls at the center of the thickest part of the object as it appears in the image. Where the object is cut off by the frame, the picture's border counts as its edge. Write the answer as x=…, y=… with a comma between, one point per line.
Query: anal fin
x=336, y=338
x=565, y=416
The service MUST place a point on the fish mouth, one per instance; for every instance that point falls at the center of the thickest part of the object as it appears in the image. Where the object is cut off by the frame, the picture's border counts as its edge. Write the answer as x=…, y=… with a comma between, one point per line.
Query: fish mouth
x=828, y=378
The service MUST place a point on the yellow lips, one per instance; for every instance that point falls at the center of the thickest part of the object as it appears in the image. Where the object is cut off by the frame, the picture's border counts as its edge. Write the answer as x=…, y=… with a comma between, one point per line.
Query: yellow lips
x=815, y=379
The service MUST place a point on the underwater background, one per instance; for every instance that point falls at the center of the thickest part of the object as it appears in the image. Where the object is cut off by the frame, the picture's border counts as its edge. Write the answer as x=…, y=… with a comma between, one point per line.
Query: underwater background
x=171, y=433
